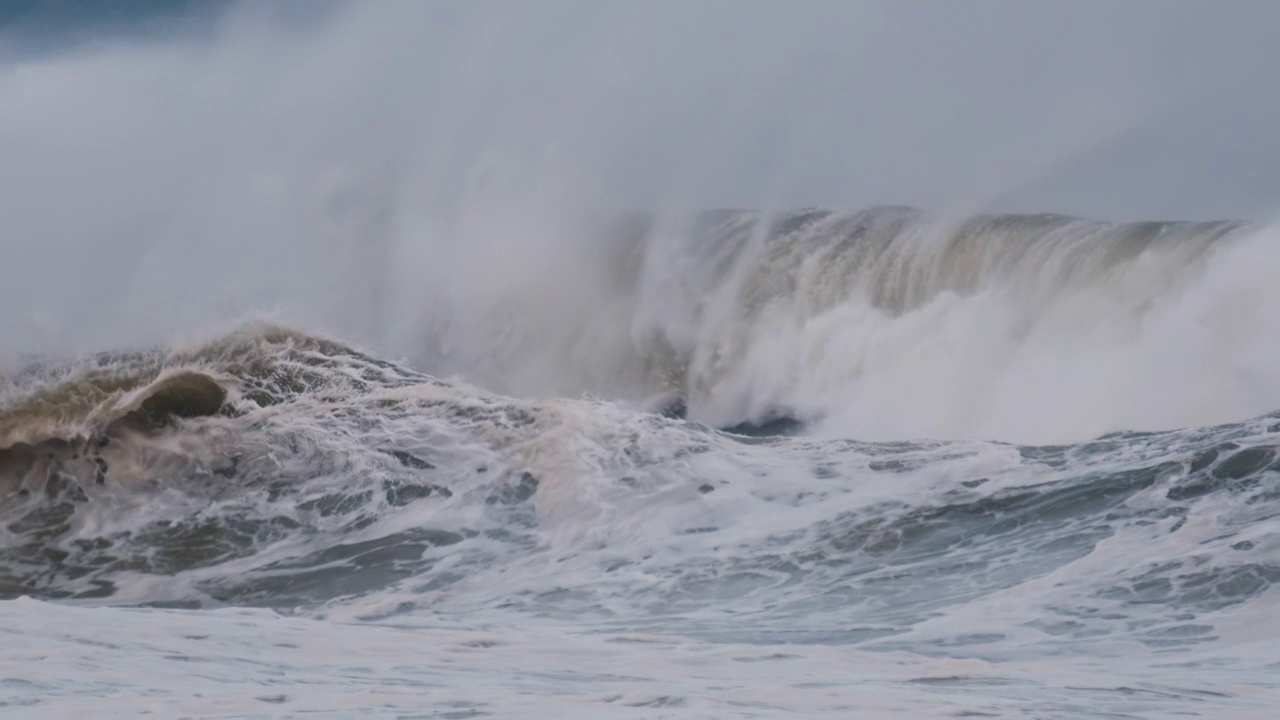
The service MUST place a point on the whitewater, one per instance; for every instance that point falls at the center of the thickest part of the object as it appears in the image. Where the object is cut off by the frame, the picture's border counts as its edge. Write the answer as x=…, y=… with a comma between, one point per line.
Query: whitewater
x=498, y=361
x=270, y=523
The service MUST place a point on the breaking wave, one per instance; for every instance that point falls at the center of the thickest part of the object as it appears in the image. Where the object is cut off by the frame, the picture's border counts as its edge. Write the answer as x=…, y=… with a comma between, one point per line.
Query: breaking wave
x=888, y=323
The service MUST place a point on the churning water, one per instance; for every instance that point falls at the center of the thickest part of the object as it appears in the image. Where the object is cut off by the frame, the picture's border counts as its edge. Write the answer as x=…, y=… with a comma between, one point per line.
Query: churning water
x=391, y=360
x=269, y=523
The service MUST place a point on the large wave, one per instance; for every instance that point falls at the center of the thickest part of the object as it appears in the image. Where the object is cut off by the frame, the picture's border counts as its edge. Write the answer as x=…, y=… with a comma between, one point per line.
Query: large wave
x=888, y=323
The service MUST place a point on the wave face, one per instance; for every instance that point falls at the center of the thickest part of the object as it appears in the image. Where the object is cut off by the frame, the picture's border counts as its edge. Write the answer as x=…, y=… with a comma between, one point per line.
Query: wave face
x=321, y=482
x=889, y=323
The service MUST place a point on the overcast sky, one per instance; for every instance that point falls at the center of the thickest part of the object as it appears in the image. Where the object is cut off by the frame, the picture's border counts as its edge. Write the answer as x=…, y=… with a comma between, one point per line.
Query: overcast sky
x=135, y=148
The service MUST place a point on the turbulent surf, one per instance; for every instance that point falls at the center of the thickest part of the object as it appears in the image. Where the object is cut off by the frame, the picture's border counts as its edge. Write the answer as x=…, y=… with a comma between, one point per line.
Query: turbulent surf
x=804, y=463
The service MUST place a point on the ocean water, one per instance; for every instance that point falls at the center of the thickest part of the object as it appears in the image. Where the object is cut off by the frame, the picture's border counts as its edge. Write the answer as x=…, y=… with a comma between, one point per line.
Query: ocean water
x=864, y=464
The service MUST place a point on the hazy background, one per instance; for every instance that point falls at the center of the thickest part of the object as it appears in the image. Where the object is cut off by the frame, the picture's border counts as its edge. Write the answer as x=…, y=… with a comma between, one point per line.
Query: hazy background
x=165, y=166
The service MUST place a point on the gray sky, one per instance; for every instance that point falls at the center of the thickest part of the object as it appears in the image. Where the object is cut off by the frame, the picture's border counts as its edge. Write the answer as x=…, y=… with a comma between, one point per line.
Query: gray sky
x=262, y=158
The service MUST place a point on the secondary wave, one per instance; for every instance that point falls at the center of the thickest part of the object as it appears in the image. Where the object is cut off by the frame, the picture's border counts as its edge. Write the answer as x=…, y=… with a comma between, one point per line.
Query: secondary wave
x=319, y=478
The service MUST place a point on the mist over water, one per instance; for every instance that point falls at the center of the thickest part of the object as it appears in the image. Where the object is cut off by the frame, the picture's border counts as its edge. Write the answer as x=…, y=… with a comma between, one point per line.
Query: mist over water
x=612, y=359
x=443, y=183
